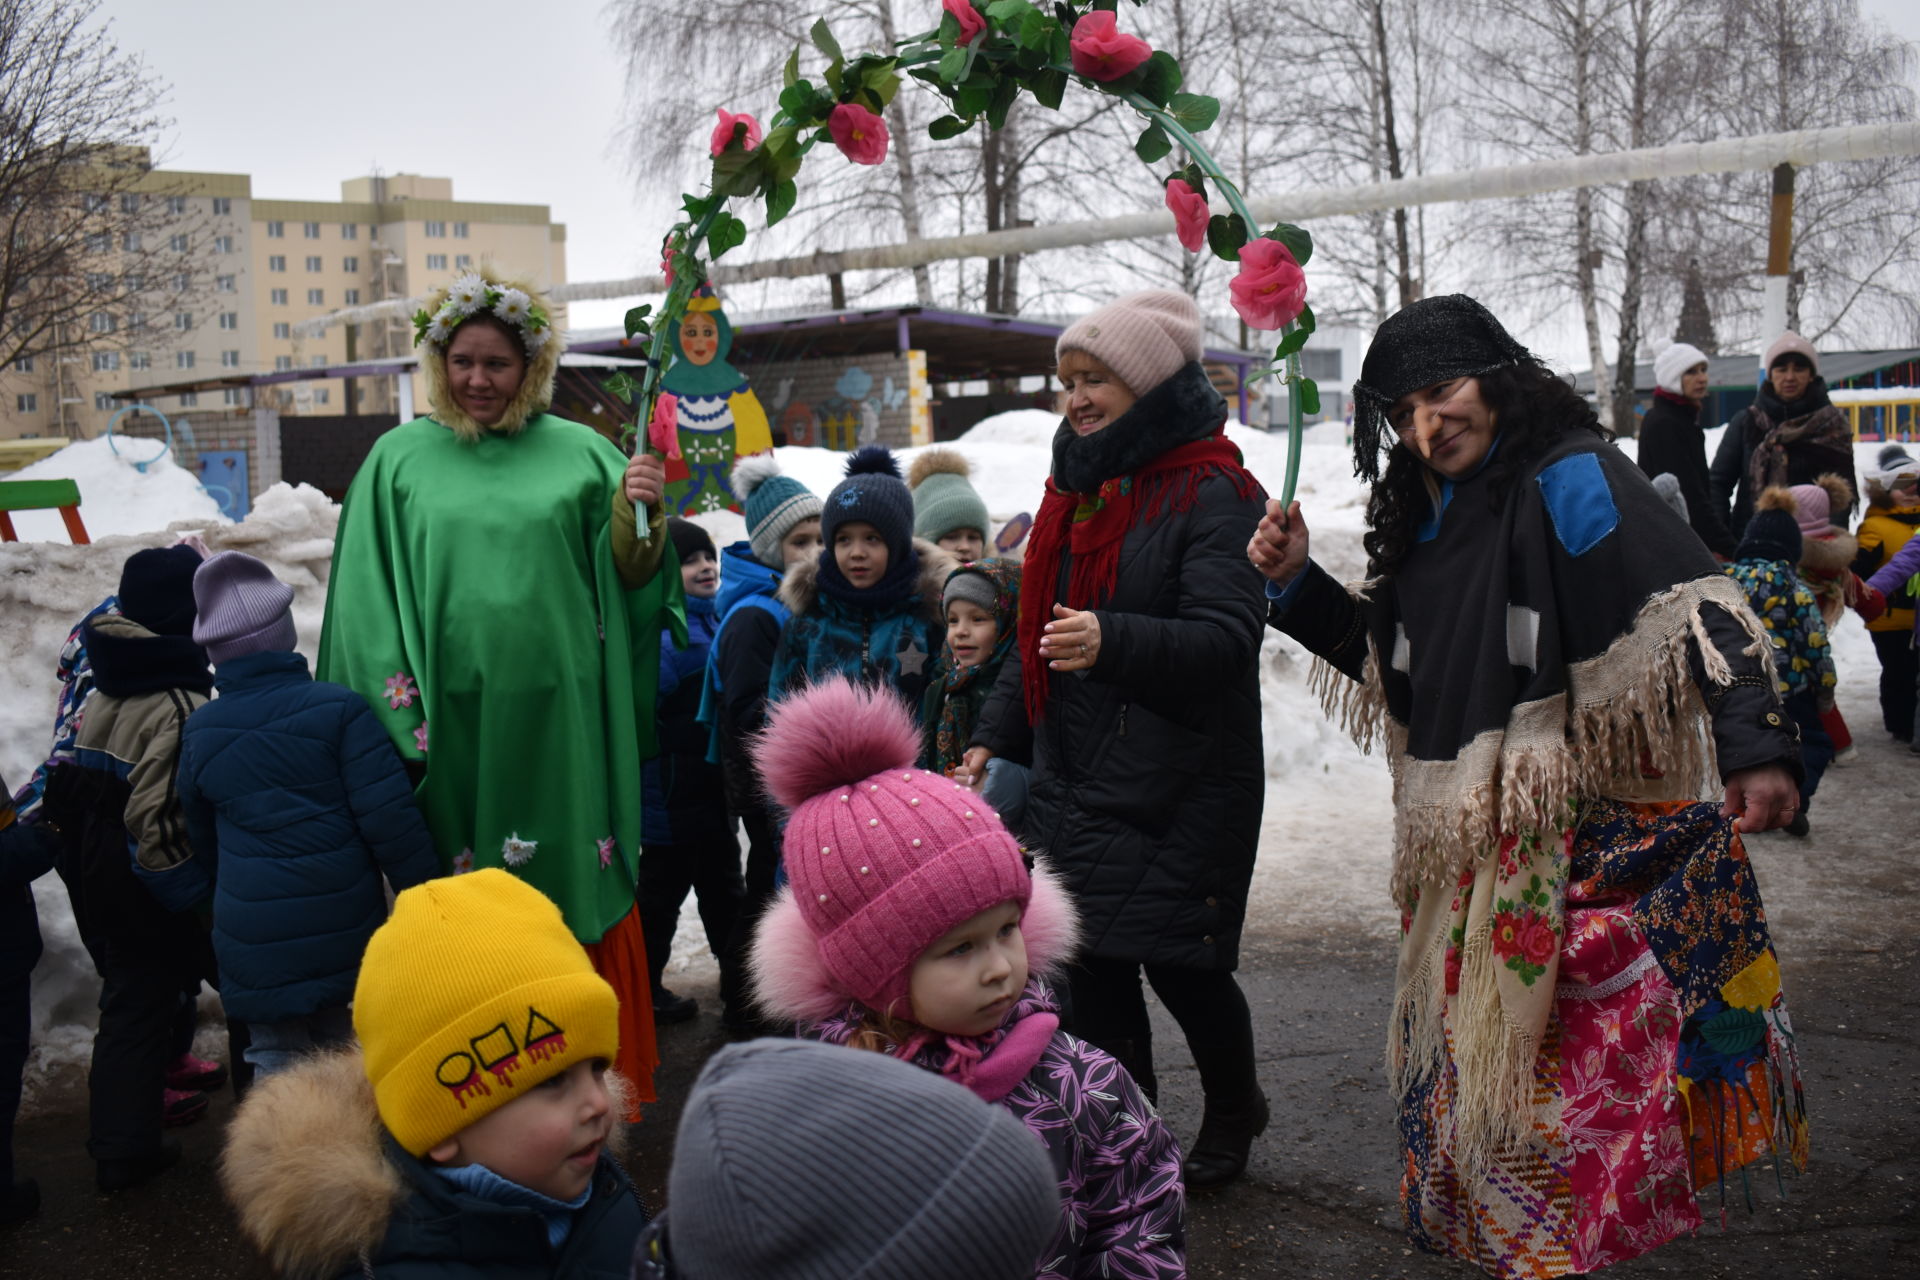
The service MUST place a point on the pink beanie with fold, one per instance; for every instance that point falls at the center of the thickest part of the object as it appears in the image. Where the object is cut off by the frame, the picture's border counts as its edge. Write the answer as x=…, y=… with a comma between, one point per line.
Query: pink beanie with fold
x=1145, y=338
x=881, y=857
x=1812, y=510
x=1791, y=343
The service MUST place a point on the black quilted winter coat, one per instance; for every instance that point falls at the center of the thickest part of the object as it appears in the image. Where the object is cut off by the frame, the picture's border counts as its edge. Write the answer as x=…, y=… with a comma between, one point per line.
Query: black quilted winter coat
x=1148, y=768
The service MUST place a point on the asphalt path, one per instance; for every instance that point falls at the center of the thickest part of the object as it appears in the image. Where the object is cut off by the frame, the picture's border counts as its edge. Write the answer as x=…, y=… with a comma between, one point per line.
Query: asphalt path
x=1320, y=1196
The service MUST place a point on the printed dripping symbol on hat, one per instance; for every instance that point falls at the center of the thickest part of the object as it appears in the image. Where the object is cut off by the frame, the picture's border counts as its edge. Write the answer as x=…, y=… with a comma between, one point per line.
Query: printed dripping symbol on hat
x=497, y=1051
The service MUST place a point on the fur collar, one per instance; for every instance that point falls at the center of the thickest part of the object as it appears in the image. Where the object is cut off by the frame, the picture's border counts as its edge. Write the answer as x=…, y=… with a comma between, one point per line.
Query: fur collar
x=1184, y=408
x=790, y=983
x=1828, y=556
x=306, y=1169
x=800, y=589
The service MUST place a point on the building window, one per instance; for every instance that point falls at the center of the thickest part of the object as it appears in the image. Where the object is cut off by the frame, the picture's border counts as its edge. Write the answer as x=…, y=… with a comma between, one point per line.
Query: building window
x=459, y=231
x=223, y=244
x=27, y=402
x=183, y=359
x=188, y=399
x=276, y=230
x=463, y=262
x=99, y=280
x=182, y=321
x=136, y=320
x=106, y=361
x=230, y=320
x=314, y=263
x=437, y=230
x=99, y=242
x=353, y=297
x=316, y=362
x=322, y=395
x=278, y=297
x=130, y=242
x=182, y=282
x=282, y=363
x=349, y=231
x=311, y=230
x=317, y=297
x=350, y=265
x=222, y=207
x=229, y=359
x=94, y=203
x=103, y=400
x=23, y=365
x=100, y=322
x=277, y=262
x=139, y=360
x=135, y=282
x=234, y=396
x=176, y=205
x=281, y=329
x=129, y=202
x=223, y=284
x=177, y=244
x=436, y=262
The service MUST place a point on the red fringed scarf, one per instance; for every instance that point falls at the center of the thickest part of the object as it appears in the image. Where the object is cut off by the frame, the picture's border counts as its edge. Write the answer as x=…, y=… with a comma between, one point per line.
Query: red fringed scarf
x=1091, y=527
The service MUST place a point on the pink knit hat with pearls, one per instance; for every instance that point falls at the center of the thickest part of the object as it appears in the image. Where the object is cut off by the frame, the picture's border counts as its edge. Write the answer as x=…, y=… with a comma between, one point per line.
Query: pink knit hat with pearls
x=881, y=858
x=1145, y=338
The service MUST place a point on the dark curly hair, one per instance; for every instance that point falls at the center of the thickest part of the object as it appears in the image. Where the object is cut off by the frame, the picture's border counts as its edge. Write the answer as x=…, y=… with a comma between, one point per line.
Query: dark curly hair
x=1533, y=407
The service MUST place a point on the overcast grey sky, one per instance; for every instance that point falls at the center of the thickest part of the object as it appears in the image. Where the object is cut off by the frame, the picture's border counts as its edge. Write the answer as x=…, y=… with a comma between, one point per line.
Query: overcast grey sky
x=514, y=101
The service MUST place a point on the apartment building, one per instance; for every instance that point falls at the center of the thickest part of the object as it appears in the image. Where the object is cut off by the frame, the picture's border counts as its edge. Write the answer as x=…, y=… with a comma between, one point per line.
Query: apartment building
x=260, y=267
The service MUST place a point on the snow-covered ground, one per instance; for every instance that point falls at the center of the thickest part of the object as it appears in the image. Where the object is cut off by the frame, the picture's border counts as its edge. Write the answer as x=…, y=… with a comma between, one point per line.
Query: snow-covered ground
x=1323, y=862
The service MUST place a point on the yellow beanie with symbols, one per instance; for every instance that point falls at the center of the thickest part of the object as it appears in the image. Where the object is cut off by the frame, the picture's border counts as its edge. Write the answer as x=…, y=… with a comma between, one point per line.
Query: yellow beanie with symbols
x=472, y=993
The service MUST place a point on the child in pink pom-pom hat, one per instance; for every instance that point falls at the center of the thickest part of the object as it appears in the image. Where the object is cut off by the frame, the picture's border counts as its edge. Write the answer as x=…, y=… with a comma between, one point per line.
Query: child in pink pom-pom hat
x=911, y=925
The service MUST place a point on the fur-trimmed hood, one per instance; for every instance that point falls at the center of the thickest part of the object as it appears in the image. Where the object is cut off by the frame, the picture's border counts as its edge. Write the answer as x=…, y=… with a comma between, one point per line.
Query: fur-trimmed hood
x=306, y=1166
x=1829, y=555
x=536, y=389
x=791, y=983
x=800, y=589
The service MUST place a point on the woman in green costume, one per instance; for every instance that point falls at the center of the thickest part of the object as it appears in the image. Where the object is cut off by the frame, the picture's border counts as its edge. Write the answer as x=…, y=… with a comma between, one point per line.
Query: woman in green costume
x=492, y=599
x=719, y=417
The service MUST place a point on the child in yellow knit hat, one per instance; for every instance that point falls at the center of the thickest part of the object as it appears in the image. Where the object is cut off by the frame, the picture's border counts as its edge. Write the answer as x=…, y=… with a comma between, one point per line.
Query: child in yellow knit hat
x=468, y=1132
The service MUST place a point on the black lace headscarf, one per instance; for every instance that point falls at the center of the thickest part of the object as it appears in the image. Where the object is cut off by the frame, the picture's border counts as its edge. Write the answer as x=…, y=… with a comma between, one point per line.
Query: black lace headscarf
x=1429, y=341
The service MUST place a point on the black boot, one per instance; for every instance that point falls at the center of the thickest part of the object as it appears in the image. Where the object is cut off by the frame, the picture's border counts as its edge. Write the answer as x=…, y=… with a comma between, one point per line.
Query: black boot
x=670, y=1008
x=1219, y=1154
x=119, y=1175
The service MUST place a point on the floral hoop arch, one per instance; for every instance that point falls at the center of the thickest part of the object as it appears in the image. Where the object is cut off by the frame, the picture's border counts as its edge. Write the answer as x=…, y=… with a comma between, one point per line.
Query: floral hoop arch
x=981, y=59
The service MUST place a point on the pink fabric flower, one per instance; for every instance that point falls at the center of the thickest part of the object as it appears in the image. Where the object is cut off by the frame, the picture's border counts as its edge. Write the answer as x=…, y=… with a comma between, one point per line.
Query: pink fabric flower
x=971, y=23
x=1101, y=51
x=860, y=134
x=401, y=690
x=723, y=132
x=420, y=737
x=1271, y=288
x=606, y=848
x=666, y=260
x=663, y=433
x=1190, y=214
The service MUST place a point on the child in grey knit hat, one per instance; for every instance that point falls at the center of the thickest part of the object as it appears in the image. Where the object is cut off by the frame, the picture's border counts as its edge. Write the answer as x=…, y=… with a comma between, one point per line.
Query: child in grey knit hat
x=804, y=1161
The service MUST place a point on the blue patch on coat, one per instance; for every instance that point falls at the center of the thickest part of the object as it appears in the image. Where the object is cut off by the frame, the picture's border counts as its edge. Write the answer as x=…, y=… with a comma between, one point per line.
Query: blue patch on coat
x=1580, y=502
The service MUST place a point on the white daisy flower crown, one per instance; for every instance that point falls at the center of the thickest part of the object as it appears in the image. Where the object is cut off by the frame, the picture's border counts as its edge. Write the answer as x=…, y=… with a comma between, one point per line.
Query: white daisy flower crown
x=473, y=293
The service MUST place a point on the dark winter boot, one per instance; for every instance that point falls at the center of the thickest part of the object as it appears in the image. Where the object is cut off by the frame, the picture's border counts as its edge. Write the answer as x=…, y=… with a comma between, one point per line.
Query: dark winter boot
x=1219, y=1154
x=118, y=1175
x=669, y=1008
x=19, y=1201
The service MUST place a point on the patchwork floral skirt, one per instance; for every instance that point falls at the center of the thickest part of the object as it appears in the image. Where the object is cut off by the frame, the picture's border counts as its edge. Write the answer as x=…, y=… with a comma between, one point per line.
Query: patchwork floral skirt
x=1667, y=1077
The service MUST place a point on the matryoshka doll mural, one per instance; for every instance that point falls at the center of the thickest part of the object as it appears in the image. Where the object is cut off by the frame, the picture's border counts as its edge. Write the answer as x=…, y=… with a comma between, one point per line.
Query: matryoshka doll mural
x=720, y=419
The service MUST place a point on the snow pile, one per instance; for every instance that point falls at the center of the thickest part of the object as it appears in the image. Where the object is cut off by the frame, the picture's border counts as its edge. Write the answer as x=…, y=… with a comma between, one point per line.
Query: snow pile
x=45, y=588
x=116, y=496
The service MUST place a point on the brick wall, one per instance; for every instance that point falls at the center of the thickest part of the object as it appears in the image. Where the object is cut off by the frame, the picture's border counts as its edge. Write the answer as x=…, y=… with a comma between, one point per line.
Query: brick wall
x=195, y=431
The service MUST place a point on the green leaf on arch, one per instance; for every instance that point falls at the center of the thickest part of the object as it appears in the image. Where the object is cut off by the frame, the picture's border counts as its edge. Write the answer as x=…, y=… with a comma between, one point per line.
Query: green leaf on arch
x=780, y=200
x=1153, y=144
x=1194, y=112
x=1299, y=243
x=1226, y=232
x=1049, y=86
x=1159, y=78
x=947, y=127
x=823, y=41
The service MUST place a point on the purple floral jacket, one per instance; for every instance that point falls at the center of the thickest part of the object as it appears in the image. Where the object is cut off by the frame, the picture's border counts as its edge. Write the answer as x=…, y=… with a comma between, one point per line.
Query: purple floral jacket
x=1123, y=1206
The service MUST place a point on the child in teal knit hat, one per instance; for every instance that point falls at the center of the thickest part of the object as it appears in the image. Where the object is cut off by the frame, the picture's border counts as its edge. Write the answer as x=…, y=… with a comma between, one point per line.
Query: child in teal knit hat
x=947, y=509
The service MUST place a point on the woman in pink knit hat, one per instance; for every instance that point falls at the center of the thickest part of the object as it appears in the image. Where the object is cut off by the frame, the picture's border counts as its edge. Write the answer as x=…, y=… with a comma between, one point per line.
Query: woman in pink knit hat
x=1134, y=690
x=912, y=926
x=1791, y=434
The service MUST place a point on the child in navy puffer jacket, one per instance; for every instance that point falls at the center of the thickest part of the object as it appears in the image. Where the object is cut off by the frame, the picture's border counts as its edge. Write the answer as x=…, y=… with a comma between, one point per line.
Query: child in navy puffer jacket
x=296, y=801
x=912, y=926
x=688, y=842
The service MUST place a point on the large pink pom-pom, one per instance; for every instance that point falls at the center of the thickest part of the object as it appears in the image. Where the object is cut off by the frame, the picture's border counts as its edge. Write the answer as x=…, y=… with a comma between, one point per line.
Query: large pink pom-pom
x=833, y=734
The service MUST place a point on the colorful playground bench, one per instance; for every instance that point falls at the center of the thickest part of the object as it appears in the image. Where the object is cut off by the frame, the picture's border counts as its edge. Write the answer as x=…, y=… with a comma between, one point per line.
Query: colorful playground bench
x=41, y=495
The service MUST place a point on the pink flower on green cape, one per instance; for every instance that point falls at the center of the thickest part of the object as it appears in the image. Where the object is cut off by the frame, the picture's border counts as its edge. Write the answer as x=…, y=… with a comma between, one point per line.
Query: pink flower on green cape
x=860, y=134
x=1190, y=214
x=607, y=848
x=1101, y=51
x=420, y=737
x=723, y=132
x=663, y=432
x=401, y=690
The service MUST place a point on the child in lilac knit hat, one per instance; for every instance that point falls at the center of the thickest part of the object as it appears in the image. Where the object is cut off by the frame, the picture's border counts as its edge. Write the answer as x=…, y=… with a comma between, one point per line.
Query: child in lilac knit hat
x=911, y=925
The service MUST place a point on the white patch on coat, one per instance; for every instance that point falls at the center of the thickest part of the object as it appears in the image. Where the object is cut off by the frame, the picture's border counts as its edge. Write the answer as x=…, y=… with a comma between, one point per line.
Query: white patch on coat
x=1402, y=652
x=1523, y=637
